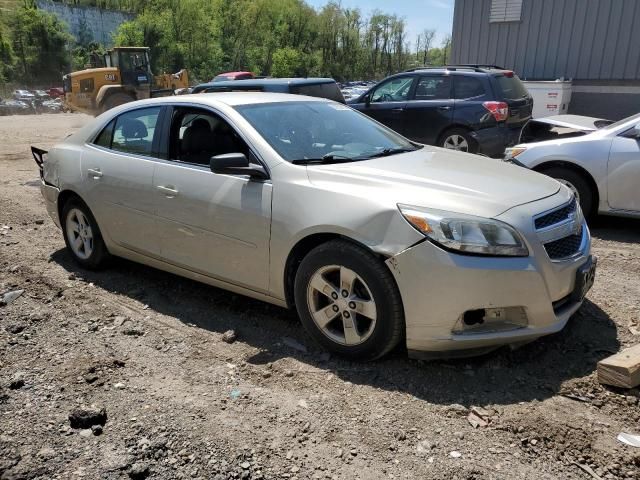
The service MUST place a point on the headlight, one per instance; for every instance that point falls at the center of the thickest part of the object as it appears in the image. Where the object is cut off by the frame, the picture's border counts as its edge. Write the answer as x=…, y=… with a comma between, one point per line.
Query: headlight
x=466, y=233
x=513, y=152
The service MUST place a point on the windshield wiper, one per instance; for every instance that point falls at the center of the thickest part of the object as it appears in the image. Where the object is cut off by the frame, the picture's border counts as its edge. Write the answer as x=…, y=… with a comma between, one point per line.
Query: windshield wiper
x=391, y=151
x=329, y=158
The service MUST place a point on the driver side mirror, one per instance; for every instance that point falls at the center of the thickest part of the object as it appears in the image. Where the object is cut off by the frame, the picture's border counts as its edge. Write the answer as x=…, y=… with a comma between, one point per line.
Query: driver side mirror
x=367, y=99
x=236, y=164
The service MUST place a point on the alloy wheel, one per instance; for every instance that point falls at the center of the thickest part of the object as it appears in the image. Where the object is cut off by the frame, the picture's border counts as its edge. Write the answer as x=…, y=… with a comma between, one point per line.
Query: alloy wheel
x=79, y=233
x=341, y=305
x=456, y=142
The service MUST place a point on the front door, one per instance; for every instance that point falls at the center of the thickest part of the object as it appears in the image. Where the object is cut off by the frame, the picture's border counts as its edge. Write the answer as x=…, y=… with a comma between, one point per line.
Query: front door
x=216, y=225
x=118, y=174
x=387, y=102
x=624, y=173
x=430, y=110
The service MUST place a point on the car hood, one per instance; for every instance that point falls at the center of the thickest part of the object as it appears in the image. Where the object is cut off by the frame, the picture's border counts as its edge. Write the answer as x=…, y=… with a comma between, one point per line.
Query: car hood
x=437, y=178
x=576, y=122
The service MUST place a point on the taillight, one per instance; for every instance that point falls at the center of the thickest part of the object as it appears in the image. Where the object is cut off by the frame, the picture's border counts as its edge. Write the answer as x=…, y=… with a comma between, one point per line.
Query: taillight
x=499, y=110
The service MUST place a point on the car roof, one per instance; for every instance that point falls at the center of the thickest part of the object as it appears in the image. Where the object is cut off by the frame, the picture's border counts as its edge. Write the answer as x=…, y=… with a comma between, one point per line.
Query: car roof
x=231, y=99
x=257, y=82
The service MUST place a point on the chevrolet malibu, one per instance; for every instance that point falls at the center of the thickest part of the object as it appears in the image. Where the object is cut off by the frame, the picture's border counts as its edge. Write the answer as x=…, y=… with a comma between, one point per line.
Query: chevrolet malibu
x=303, y=202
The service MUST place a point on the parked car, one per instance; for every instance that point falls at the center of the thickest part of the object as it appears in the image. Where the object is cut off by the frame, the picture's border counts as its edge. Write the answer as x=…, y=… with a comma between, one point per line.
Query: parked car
x=223, y=77
x=597, y=159
x=23, y=95
x=305, y=202
x=314, y=87
x=467, y=108
x=55, y=92
x=15, y=107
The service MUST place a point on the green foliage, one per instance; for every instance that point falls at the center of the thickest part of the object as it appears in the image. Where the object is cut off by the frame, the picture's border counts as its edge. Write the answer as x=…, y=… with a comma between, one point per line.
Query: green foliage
x=267, y=37
x=40, y=46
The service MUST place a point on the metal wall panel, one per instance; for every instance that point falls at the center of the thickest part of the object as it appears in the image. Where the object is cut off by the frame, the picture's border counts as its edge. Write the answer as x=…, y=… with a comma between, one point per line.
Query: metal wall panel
x=579, y=39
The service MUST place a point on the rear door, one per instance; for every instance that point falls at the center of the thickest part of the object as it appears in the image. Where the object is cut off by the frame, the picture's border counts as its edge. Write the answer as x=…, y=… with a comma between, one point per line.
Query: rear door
x=118, y=168
x=511, y=90
x=430, y=109
x=388, y=100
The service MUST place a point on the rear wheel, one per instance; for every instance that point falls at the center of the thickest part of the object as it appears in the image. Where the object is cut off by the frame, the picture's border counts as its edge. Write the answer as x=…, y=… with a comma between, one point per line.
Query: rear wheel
x=578, y=185
x=82, y=235
x=348, y=301
x=458, y=139
x=115, y=100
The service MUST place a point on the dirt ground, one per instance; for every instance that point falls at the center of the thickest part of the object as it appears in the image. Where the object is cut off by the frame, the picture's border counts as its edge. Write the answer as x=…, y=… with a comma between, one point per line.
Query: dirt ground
x=181, y=403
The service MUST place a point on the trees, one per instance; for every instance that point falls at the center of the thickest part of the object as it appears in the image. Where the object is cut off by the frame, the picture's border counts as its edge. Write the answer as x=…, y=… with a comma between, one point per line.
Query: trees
x=40, y=45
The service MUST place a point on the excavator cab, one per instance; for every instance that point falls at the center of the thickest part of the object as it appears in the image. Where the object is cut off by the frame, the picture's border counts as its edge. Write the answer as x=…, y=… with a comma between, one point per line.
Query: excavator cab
x=133, y=64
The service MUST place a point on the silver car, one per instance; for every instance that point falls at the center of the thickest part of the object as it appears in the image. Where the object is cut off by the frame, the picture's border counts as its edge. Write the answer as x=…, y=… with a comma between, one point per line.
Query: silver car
x=598, y=160
x=303, y=202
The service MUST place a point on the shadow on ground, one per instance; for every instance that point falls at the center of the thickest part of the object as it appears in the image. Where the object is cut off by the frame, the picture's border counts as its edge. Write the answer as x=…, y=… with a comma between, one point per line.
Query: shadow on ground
x=535, y=371
x=616, y=229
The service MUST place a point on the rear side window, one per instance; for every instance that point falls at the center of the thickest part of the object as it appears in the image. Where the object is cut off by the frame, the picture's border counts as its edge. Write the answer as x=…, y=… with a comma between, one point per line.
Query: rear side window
x=321, y=90
x=511, y=86
x=104, y=139
x=131, y=132
x=433, y=87
x=467, y=87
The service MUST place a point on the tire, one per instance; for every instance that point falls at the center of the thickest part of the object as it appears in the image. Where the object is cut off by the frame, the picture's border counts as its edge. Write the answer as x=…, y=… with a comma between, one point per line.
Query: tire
x=458, y=139
x=83, y=240
x=379, y=326
x=578, y=184
x=115, y=100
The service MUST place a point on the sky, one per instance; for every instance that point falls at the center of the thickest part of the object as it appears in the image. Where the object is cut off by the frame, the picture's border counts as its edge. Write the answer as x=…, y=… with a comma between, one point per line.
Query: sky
x=419, y=14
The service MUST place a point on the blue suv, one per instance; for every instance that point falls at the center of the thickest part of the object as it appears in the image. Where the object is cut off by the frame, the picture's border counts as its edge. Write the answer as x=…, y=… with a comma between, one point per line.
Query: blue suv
x=472, y=108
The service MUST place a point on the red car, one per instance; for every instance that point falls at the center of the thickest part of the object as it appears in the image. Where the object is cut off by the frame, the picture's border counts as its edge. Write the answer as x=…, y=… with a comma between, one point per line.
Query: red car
x=233, y=76
x=55, y=92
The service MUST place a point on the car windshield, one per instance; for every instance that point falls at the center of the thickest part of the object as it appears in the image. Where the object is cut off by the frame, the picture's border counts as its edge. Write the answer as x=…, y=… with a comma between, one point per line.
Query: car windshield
x=619, y=123
x=322, y=131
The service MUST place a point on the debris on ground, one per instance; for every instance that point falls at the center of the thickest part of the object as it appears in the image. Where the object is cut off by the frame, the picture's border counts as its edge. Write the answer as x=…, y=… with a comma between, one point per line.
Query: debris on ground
x=629, y=439
x=622, y=369
x=87, y=417
x=9, y=297
x=229, y=336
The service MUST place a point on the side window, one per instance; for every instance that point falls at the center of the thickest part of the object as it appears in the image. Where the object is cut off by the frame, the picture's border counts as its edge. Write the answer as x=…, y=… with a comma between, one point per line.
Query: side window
x=468, y=87
x=433, y=87
x=394, y=90
x=104, y=139
x=197, y=135
x=133, y=132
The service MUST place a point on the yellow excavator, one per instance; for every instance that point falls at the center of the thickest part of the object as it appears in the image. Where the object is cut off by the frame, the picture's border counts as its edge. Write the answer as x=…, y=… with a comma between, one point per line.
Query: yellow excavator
x=122, y=75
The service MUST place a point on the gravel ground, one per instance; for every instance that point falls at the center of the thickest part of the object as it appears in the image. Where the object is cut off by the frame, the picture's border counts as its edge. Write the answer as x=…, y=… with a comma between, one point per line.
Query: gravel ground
x=180, y=402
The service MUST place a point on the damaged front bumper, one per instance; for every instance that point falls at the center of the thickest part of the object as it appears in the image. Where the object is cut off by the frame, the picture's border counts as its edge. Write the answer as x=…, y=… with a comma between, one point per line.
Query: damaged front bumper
x=462, y=305
x=49, y=191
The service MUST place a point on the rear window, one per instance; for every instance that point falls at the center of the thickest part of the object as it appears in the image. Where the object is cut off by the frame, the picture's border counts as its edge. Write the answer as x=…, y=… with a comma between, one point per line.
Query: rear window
x=322, y=90
x=511, y=86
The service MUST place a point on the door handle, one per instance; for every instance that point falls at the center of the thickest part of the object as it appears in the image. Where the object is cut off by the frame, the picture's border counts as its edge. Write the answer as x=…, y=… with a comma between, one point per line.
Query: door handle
x=95, y=172
x=168, y=190
x=397, y=110
x=444, y=108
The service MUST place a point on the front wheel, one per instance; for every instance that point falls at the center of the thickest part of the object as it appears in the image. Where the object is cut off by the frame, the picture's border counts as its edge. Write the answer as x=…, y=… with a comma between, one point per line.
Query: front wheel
x=578, y=185
x=115, y=100
x=348, y=301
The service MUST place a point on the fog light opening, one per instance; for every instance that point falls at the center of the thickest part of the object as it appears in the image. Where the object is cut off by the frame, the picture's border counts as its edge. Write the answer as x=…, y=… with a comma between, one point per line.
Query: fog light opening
x=488, y=320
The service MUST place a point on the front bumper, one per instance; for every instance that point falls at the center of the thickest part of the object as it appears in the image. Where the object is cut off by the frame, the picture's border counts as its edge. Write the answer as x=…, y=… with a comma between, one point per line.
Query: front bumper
x=438, y=287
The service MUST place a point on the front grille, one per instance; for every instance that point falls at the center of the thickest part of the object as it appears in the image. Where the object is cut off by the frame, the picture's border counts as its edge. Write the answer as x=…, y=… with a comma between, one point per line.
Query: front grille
x=556, y=216
x=564, y=247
